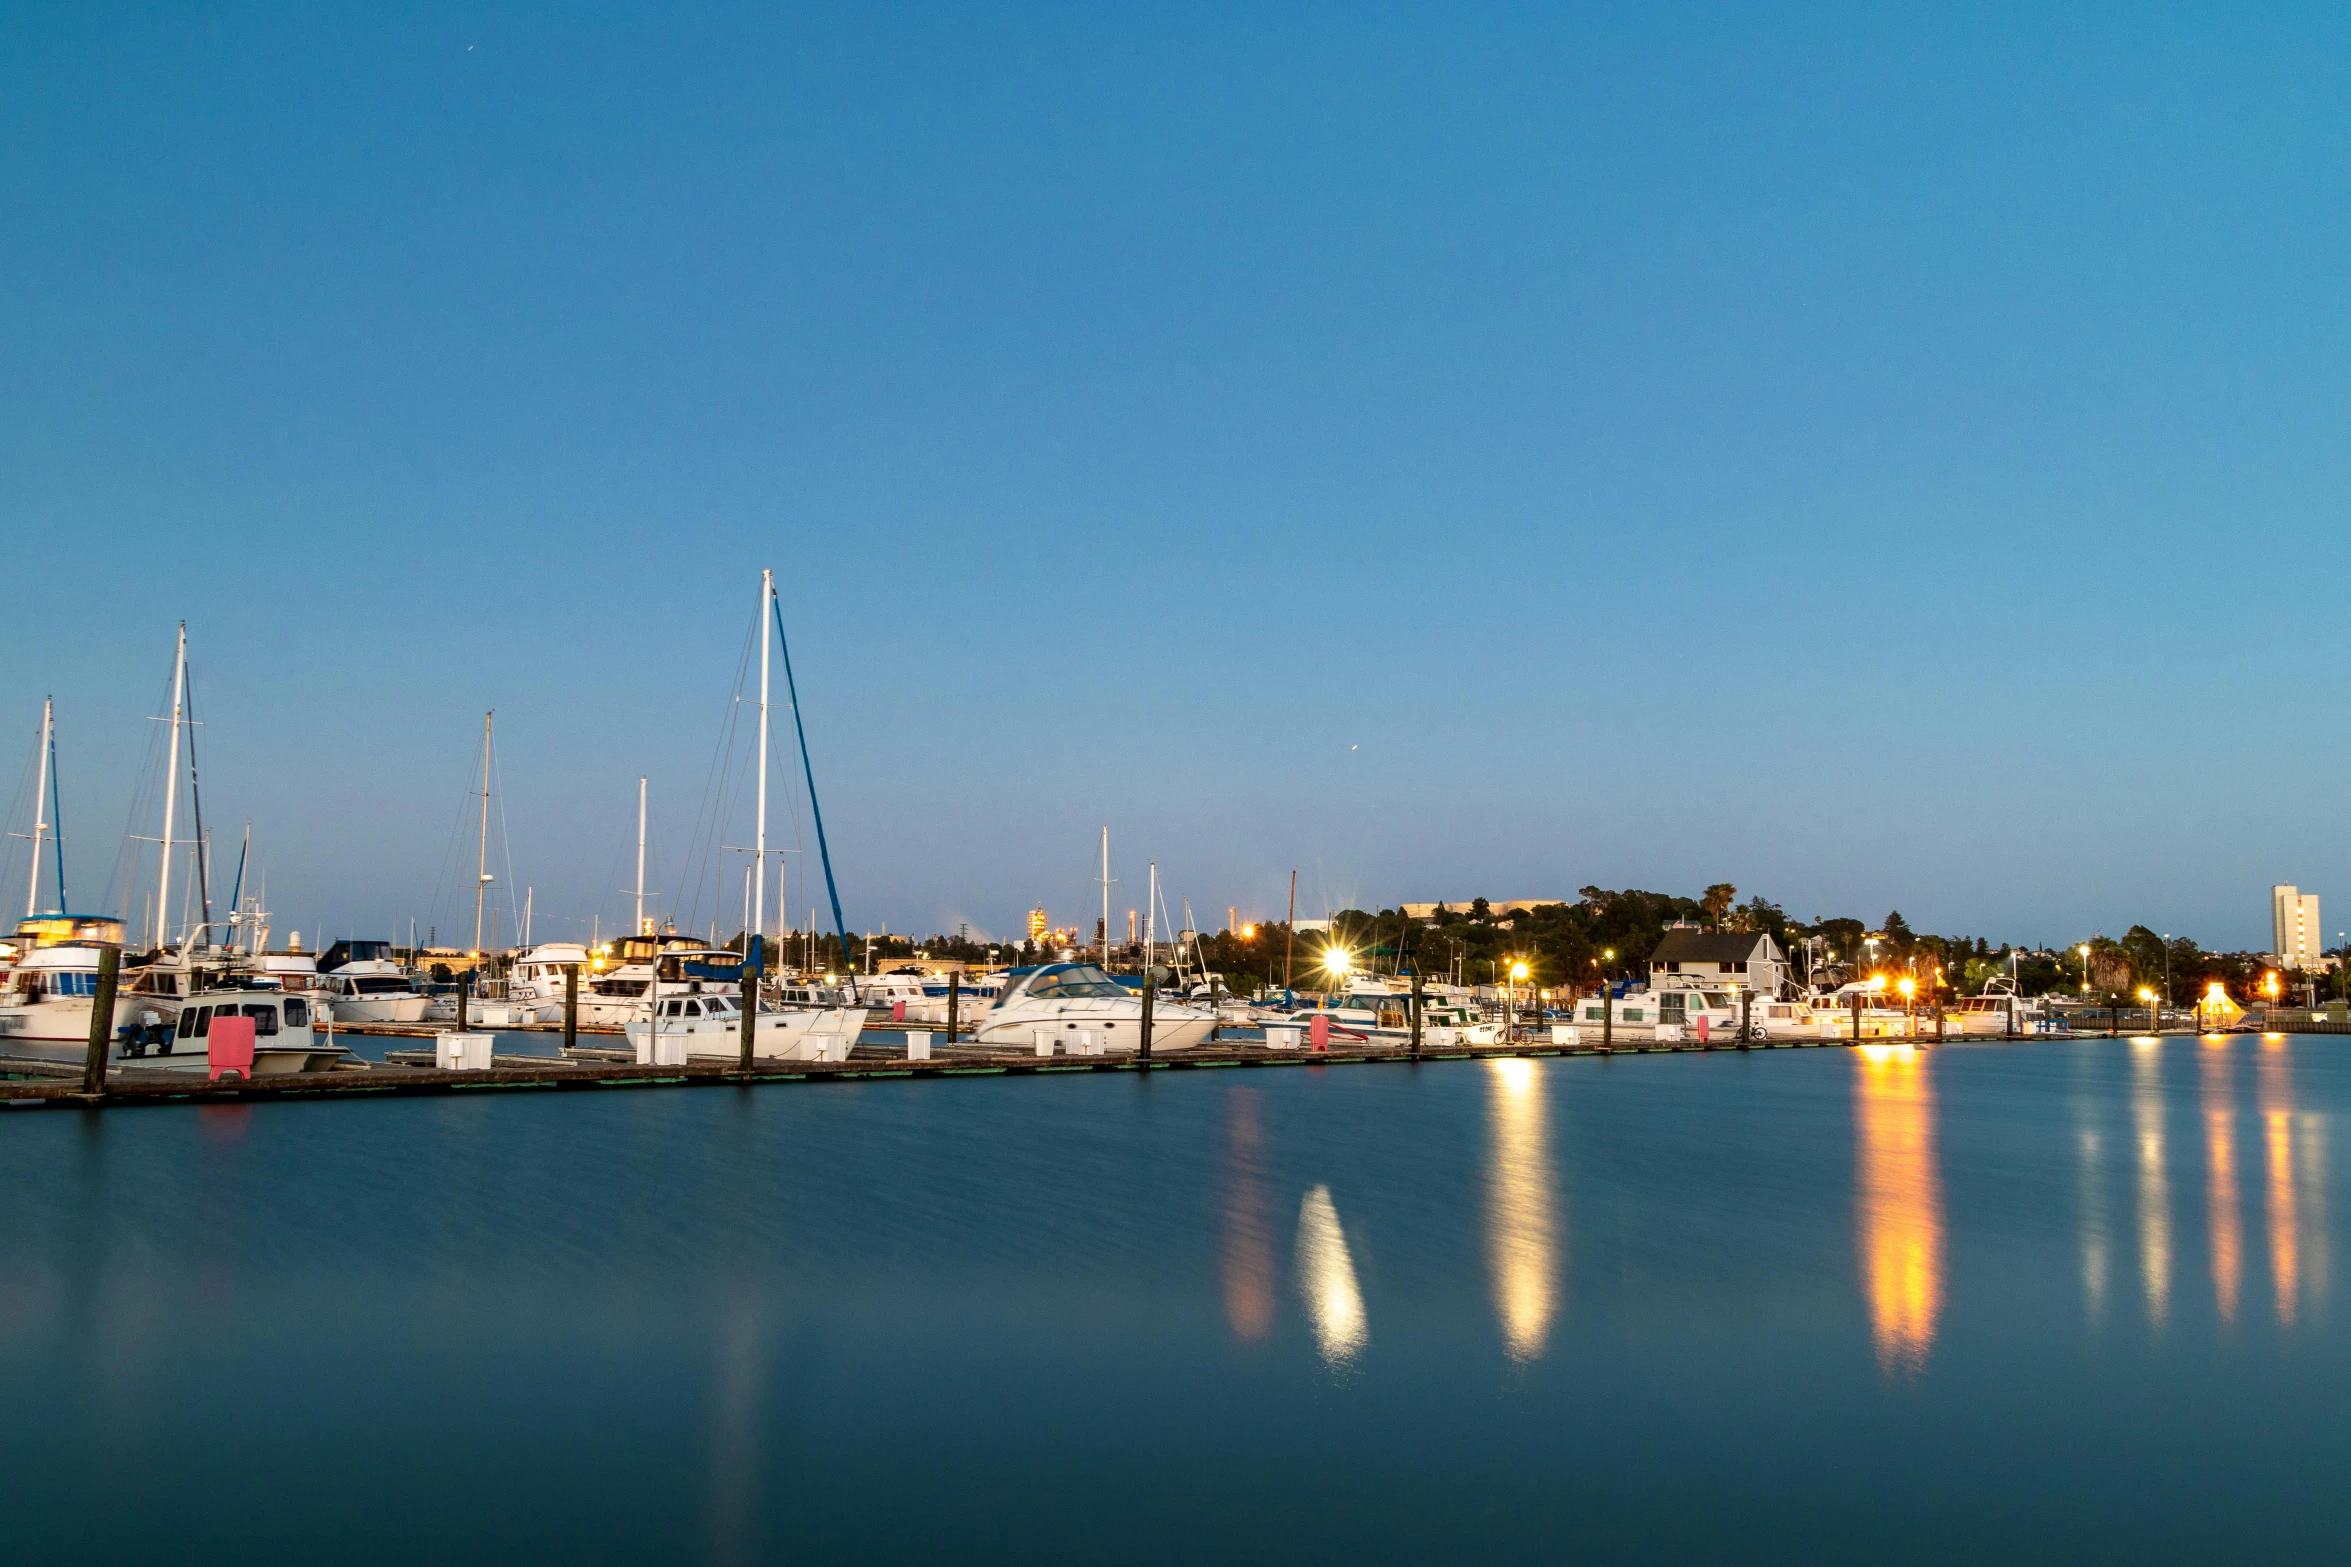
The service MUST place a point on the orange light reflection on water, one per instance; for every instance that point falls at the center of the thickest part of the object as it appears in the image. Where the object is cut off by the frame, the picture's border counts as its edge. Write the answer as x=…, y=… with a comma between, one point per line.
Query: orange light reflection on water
x=2154, y=1184
x=2277, y=1134
x=2222, y=1202
x=1522, y=1219
x=1900, y=1204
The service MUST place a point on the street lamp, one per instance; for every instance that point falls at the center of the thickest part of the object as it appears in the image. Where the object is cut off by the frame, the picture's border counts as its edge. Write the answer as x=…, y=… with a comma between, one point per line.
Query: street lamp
x=2084, y=949
x=1908, y=987
x=2154, y=1023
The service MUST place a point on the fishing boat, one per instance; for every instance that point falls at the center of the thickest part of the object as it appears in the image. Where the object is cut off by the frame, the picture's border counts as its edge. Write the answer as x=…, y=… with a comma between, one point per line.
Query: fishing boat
x=1079, y=1009
x=45, y=1019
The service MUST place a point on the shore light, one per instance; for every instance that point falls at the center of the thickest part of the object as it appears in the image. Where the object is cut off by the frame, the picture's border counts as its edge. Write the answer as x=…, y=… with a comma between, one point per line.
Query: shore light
x=1248, y=933
x=1877, y=981
x=1518, y=970
x=1337, y=961
x=2145, y=994
x=1908, y=987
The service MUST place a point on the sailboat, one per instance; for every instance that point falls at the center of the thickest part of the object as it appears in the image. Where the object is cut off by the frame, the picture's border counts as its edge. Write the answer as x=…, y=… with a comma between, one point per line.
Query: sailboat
x=698, y=1013
x=164, y=1008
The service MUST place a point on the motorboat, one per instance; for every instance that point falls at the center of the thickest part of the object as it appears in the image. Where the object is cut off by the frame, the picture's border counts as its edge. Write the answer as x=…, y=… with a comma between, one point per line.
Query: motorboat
x=1078, y=1009
x=623, y=977
x=46, y=1019
x=1699, y=1014
x=368, y=987
x=1997, y=1011
x=710, y=1024
x=1375, y=1009
x=534, y=990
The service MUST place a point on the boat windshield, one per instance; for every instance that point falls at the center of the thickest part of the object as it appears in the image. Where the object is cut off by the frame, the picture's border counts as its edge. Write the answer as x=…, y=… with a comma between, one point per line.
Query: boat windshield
x=1078, y=980
x=372, y=985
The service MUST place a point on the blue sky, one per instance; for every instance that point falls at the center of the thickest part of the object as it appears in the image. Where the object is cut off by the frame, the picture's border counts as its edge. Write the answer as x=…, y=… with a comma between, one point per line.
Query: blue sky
x=1878, y=460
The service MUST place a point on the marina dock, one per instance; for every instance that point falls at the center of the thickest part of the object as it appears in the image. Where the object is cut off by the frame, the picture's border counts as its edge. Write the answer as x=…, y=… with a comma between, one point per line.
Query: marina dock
x=126, y=1087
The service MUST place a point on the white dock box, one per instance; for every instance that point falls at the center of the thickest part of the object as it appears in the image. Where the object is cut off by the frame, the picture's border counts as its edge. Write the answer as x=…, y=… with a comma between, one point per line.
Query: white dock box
x=462, y=1052
x=1281, y=1036
x=918, y=1045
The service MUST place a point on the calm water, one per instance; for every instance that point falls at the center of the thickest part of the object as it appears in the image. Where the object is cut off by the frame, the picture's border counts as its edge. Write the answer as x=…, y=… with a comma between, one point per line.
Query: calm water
x=2053, y=1301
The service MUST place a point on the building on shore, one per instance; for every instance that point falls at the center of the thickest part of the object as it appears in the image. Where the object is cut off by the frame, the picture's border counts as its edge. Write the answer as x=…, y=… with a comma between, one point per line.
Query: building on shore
x=2296, y=937
x=1733, y=960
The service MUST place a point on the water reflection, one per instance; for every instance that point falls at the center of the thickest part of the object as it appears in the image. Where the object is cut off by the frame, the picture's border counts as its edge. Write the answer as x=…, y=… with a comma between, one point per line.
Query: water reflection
x=2154, y=1184
x=1522, y=1223
x=1326, y=1276
x=2277, y=1138
x=1900, y=1199
x=2310, y=1204
x=1248, y=1220
x=2222, y=1208
x=741, y=1344
x=2093, y=1226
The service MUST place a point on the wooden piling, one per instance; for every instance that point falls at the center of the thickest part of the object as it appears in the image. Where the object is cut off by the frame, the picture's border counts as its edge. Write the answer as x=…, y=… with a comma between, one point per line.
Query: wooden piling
x=571, y=1006
x=464, y=996
x=1149, y=985
x=1416, y=1002
x=954, y=993
x=751, y=966
x=101, y=1021
x=1746, y=1017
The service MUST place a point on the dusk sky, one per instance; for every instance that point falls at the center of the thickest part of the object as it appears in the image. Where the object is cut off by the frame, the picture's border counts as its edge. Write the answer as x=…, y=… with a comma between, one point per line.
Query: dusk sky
x=1881, y=461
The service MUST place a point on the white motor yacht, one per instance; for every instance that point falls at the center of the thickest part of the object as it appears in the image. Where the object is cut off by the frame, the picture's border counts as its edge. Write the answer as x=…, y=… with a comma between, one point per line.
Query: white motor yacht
x=710, y=1024
x=1647, y=1010
x=1078, y=1007
x=1994, y=1012
x=534, y=991
x=363, y=985
x=617, y=993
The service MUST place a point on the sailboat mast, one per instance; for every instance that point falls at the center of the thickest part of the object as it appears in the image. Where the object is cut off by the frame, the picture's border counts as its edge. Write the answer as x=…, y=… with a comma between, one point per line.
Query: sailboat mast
x=1106, y=897
x=41, y=765
x=767, y=593
x=481, y=883
x=640, y=925
x=1150, y=916
x=171, y=788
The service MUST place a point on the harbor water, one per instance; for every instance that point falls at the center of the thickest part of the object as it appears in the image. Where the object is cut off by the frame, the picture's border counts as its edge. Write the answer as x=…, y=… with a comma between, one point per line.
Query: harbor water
x=2039, y=1301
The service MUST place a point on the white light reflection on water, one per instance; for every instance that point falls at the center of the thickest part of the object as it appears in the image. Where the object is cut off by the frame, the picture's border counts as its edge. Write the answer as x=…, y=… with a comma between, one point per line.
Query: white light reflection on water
x=2310, y=1204
x=1248, y=1220
x=2093, y=1226
x=1900, y=1203
x=2154, y=1185
x=1326, y=1276
x=1522, y=1223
